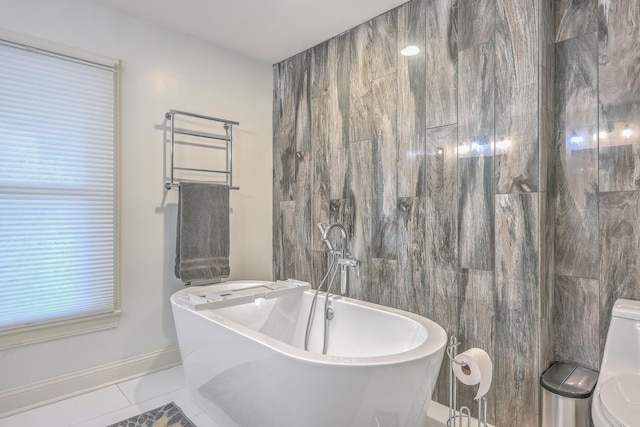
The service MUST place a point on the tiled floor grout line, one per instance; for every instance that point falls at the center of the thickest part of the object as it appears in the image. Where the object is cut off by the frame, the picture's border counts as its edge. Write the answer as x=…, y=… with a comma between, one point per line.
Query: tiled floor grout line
x=124, y=394
x=110, y=412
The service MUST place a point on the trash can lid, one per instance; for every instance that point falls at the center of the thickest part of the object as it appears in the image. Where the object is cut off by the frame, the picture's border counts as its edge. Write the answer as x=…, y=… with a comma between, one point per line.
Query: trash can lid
x=569, y=380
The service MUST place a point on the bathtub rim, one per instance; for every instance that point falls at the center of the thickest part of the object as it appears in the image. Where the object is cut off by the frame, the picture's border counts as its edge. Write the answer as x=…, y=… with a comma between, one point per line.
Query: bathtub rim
x=434, y=343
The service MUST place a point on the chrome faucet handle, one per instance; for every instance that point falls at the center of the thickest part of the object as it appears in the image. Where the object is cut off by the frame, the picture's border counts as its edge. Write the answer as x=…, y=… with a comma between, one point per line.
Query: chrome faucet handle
x=348, y=262
x=322, y=228
x=327, y=243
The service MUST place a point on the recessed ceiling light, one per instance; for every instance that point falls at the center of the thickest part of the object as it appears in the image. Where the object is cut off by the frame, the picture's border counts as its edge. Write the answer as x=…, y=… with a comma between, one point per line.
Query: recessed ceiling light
x=410, y=50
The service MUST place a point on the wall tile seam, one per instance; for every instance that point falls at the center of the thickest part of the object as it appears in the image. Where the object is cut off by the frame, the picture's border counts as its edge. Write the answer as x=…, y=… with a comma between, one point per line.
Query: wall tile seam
x=576, y=37
x=462, y=267
x=490, y=41
x=444, y=126
x=615, y=192
x=497, y=193
x=374, y=78
x=357, y=141
x=599, y=279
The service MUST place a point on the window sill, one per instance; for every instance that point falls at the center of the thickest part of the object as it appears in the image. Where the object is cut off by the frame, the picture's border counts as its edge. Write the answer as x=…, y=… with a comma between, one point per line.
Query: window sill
x=49, y=331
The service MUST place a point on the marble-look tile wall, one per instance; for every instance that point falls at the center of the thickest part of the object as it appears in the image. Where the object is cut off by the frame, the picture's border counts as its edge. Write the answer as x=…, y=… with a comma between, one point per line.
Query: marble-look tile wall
x=437, y=165
x=597, y=168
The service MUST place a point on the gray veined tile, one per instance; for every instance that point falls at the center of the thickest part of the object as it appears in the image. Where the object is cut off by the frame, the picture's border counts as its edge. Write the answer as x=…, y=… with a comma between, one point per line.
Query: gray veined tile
x=518, y=249
x=320, y=167
x=444, y=297
x=476, y=19
x=361, y=198
x=441, y=52
x=575, y=18
x=384, y=174
x=278, y=106
x=411, y=100
x=546, y=88
x=546, y=29
x=619, y=95
x=516, y=91
x=301, y=191
x=619, y=53
x=576, y=320
x=547, y=233
x=360, y=126
x=475, y=292
x=617, y=167
x=576, y=221
x=477, y=326
x=283, y=141
x=360, y=123
x=517, y=154
x=441, y=189
x=476, y=220
x=476, y=101
x=382, y=289
x=619, y=248
x=293, y=125
x=338, y=58
x=576, y=96
x=411, y=261
x=517, y=238
x=441, y=294
x=302, y=217
x=545, y=131
x=443, y=303
x=576, y=158
x=319, y=72
x=285, y=245
x=384, y=44
x=361, y=41
x=277, y=244
x=302, y=132
x=516, y=309
x=546, y=280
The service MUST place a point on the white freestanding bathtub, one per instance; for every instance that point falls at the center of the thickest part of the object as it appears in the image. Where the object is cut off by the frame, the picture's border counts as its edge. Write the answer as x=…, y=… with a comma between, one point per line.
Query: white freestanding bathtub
x=245, y=365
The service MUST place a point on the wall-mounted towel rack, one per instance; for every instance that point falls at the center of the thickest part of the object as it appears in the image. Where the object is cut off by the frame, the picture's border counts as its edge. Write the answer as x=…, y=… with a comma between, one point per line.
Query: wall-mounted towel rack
x=227, y=138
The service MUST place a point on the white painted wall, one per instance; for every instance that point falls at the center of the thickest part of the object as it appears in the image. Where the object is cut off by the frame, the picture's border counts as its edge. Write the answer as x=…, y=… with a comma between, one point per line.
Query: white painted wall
x=161, y=69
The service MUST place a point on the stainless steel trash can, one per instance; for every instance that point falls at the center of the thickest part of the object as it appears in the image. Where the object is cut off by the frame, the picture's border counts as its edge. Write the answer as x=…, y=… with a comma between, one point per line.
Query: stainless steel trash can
x=566, y=395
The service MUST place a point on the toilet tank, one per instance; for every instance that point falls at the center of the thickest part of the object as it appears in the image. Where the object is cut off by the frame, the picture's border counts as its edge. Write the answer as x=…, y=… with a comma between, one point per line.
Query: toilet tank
x=622, y=348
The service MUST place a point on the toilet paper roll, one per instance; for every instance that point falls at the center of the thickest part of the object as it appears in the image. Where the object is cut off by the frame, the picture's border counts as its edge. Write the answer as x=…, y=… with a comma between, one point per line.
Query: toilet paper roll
x=477, y=369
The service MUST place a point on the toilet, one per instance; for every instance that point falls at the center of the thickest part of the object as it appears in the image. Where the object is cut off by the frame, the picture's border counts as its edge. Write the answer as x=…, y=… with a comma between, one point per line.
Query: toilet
x=616, y=399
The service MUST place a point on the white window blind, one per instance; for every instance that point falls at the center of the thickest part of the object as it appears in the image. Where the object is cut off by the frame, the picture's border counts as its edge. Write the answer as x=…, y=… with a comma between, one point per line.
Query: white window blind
x=57, y=190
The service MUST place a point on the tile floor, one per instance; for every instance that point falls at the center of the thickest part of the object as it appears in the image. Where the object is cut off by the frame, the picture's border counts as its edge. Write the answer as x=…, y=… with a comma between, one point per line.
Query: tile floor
x=115, y=403
x=118, y=402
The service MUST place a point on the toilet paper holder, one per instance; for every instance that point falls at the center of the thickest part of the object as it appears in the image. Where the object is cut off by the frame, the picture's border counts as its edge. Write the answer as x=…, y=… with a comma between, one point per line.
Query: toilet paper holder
x=457, y=417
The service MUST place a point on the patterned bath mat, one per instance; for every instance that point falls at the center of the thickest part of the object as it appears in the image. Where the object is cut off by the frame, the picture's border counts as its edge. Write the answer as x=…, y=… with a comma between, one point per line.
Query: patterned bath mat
x=169, y=415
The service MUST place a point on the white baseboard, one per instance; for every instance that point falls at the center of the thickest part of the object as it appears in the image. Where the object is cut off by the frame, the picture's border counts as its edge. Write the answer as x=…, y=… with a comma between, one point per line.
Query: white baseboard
x=41, y=393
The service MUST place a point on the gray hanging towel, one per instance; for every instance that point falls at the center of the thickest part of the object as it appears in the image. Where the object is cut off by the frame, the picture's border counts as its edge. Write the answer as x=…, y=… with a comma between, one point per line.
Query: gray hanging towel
x=202, y=239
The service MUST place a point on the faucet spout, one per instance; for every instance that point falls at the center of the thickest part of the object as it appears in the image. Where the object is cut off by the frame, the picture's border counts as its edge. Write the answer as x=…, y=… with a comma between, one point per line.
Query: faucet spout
x=343, y=232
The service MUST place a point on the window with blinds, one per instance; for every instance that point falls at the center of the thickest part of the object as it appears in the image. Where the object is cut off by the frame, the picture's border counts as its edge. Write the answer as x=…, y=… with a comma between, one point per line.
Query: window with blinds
x=57, y=195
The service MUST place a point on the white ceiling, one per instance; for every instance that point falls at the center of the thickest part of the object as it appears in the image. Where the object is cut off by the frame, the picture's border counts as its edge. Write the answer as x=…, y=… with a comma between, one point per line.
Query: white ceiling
x=269, y=30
